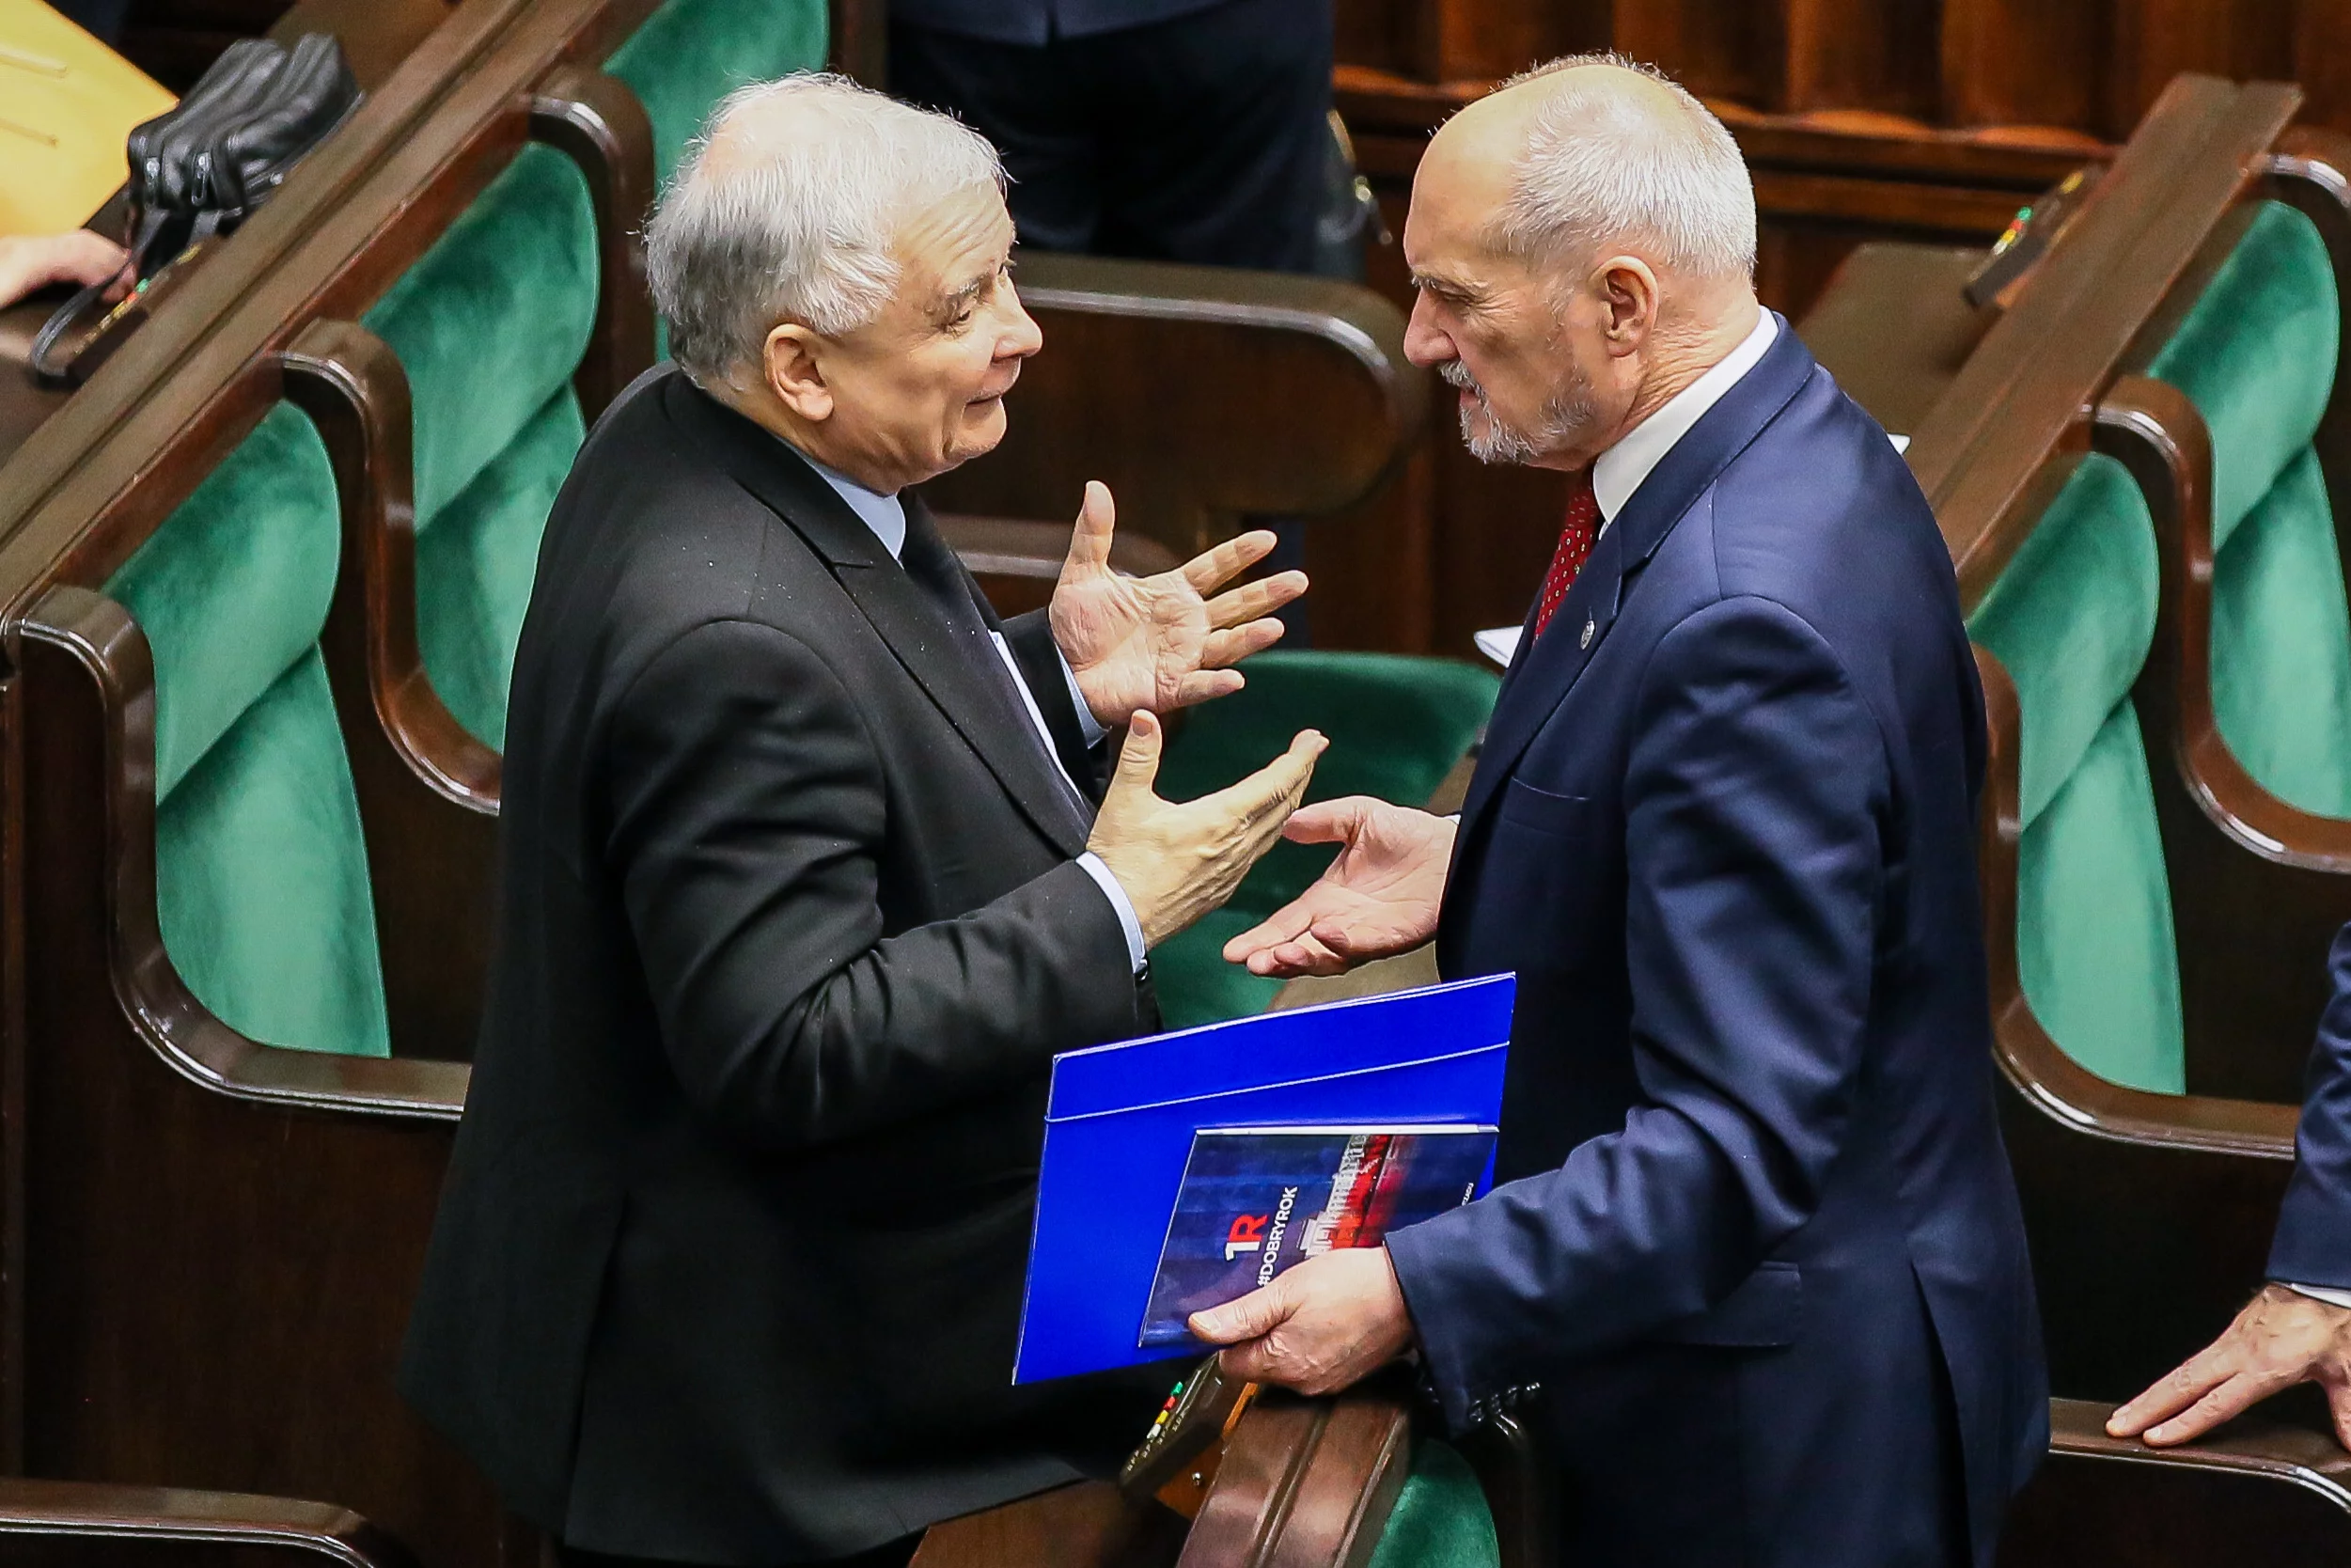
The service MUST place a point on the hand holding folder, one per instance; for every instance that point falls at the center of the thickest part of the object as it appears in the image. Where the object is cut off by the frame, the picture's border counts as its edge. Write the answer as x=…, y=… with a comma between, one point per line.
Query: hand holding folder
x=1123, y=1121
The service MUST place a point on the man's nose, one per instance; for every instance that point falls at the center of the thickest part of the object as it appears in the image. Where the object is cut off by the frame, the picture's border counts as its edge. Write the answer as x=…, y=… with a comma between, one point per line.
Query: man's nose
x=1426, y=344
x=1022, y=335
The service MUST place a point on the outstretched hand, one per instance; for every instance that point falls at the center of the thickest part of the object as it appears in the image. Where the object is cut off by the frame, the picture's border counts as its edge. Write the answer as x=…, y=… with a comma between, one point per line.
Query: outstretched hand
x=1161, y=643
x=1178, y=860
x=1378, y=898
x=2281, y=1338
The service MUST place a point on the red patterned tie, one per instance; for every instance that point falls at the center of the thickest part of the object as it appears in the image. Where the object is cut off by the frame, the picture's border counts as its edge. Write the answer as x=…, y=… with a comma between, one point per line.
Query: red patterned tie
x=1576, y=537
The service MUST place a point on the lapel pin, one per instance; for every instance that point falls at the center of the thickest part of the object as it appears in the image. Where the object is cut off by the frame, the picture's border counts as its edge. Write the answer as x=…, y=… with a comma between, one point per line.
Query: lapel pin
x=1585, y=641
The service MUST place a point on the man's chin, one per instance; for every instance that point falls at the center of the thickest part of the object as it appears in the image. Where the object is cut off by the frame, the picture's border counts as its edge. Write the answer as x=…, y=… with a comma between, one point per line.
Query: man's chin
x=982, y=430
x=1489, y=443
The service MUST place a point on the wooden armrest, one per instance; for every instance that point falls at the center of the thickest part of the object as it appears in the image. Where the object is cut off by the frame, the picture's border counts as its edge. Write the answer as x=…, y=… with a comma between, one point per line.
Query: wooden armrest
x=68, y=1524
x=427, y=789
x=594, y=119
x=75, y=632
x=1201, y=395
x=2277, y=1496
x=351, y=384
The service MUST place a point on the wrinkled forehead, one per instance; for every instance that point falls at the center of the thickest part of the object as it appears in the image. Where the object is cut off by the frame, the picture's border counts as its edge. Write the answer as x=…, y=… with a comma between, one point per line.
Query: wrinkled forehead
x=947, y=246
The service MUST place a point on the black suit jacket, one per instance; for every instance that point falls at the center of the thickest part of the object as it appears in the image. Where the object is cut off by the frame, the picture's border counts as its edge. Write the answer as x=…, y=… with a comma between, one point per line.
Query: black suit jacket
x=727, y=1267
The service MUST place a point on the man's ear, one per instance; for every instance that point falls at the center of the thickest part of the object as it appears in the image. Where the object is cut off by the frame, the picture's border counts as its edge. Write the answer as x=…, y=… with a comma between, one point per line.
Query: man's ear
x=794, y=372
x=1628, y=295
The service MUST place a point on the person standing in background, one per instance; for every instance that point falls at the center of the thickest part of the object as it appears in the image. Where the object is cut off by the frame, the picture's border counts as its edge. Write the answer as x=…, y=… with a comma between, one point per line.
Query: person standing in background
x=1159, y=130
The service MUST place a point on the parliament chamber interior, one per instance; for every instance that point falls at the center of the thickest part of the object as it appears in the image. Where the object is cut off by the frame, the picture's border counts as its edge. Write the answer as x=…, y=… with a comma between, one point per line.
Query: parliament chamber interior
x=266, y=553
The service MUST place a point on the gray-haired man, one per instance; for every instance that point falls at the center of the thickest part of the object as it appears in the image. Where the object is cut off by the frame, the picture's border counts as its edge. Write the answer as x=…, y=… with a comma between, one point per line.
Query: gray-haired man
x=805, y=882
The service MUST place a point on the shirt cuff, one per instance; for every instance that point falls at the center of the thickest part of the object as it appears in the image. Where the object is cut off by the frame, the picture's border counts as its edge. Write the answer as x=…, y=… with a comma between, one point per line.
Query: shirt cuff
x=2334, y=1296
x=1087, y=725
x=1128, y=921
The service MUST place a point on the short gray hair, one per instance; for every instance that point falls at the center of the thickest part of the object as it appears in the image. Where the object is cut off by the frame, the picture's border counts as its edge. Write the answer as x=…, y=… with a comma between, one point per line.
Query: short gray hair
x=802, y=228
x=1602, y=167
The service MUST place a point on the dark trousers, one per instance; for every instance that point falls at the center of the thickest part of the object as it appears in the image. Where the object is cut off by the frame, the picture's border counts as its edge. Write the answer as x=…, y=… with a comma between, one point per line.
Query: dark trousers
x=1197, y=139
x=894, y=1555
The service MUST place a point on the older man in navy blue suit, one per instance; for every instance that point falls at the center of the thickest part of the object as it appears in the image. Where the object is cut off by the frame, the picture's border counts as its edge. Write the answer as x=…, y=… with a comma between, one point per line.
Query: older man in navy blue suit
x=1754, y=1259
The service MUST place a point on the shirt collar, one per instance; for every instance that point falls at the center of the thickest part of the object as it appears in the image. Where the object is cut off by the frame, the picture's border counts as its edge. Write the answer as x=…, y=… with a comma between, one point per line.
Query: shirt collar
x=1619, y=471
x=885, y=514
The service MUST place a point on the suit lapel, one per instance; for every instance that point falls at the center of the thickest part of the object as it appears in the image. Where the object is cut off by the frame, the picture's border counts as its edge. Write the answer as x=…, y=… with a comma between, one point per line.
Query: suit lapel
x=946, y=667
x=1546, y=668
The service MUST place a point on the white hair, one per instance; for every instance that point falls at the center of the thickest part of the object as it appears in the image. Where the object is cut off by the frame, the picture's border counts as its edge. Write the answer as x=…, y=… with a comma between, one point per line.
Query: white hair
x=796, y=219
x=1604, y=166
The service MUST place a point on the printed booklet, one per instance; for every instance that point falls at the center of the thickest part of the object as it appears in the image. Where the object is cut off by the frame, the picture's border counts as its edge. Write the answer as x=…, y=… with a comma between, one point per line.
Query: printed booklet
x=1257, y=1201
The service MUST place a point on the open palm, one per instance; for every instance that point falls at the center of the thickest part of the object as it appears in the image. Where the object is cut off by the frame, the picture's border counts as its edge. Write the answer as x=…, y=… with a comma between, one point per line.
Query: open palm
x=1379, y=898
x=1161, y=642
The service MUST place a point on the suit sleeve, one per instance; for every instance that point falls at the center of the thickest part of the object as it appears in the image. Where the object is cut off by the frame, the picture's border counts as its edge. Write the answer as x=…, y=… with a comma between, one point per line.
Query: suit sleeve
x=747, y=811
x=1755, y=788
x=2313, y=1244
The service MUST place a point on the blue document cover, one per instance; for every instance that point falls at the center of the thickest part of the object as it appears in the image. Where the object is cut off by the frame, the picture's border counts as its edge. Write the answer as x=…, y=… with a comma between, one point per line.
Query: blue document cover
x=1121, y=1120
x=1257, y=1201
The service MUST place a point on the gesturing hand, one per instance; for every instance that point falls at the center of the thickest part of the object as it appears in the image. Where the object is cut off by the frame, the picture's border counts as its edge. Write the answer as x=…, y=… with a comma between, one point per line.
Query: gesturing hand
x=1379, y=898
x=2281, y=1338
x=1178, y=860
x=1328, y=1323
x=1159, y=643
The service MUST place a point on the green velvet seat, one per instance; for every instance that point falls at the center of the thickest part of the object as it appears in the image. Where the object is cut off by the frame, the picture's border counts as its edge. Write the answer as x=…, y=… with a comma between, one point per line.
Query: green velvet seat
x=2072, y=618
x=476, y=562
x=262, y=875
x=2256, y=354
x=1440, y=1520
x=490, y=322
x=1397, y=725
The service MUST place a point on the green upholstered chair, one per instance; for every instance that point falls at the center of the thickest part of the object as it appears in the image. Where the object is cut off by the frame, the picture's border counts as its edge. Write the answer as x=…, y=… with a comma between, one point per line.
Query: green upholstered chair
x=1441, y=1519
x=2072, y=618
x=2255, y=352
x=262, y=874
x=1397, y=725
x=491, y=324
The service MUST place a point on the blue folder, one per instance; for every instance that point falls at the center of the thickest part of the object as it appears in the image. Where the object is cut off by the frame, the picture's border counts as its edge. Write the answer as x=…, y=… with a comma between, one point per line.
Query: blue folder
x=1119, y=1120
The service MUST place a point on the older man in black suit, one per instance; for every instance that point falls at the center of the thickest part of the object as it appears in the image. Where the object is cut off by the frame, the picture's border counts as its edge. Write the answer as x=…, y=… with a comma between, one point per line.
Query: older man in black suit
x=804, y=883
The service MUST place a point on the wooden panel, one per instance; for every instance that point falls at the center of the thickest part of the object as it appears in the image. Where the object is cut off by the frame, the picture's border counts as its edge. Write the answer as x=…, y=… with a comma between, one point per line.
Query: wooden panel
x=1862, y=54
x=2159, y=39
x=1485, y=39
x=1734, y=49
x=2155, y=40
x=2322, y=59
x=2025, y=62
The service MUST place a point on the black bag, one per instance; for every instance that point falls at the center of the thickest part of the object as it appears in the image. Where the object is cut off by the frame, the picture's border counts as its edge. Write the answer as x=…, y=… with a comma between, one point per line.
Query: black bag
x=201, y=167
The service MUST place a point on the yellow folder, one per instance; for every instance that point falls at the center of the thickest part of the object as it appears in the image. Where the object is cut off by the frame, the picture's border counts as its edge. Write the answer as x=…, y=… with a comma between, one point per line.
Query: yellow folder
x=67, y=103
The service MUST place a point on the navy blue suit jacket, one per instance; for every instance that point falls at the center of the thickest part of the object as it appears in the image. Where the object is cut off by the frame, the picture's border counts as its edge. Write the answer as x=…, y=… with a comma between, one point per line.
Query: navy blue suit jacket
x=1755, y=1235
x=2313, y=1245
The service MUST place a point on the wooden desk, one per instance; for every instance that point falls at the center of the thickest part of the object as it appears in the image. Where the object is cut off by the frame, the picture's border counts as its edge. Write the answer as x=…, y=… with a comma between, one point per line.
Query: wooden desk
x=1894, y=328
x=376, y=35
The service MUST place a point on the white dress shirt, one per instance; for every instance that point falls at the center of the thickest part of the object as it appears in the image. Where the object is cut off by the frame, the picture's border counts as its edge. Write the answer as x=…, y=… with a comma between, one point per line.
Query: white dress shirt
x=886, y=516
x=1619, y=471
